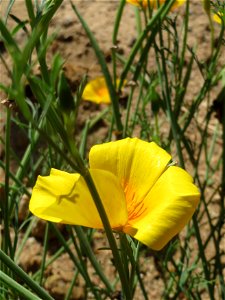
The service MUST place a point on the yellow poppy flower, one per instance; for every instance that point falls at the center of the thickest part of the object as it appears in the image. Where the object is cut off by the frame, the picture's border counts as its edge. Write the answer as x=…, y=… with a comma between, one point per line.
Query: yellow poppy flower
x=153, y=3
x=97, y=91
x=141, y=194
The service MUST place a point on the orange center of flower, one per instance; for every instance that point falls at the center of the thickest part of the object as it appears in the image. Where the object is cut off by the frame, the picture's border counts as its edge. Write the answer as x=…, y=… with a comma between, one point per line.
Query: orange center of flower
x=135, y=207
x=102, y=92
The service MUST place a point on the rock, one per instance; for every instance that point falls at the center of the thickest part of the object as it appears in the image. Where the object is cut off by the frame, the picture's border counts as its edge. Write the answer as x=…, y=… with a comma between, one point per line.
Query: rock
x=31, y=256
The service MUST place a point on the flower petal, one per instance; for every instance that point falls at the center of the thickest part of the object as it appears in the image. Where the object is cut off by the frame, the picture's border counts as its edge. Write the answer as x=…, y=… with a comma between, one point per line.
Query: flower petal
x=63, y=197
x=153, y=3
x=97, y=91
x=136, y=163
x=217, y=18
x=178, y=3
x=171, y=204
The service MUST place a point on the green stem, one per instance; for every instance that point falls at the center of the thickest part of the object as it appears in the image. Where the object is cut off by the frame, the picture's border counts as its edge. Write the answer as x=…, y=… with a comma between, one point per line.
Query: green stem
x=184, y=44
x=53, y=258
x=45, y=247
x=166, y=92
x=78, y=263
x=203, y=257
x=7, y=247
x=23, y=168
x=222, y=212
x=208, y=81
x=114, y=38
x=161, y=13
x=16, y=180
x=207, y=7
x=108, y=230
x=84, y=242
x=105, y=71
x=69, y=292
x=26, y=294
x=23, y=276
x=23, y=242
x=223, y=153
x=129, y=102
x=138, y=21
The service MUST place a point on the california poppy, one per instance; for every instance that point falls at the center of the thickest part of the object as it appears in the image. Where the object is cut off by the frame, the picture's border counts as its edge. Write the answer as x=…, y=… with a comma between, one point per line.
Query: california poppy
x=97, y=91
x=143, y=195
x=153, y=3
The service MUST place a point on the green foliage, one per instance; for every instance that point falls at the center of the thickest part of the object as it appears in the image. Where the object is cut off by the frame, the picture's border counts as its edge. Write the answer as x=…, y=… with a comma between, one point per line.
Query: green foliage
x=48, y=116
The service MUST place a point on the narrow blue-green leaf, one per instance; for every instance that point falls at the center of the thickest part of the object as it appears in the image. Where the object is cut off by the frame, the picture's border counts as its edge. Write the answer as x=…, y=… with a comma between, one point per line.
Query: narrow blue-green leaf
x=10, y=43
x=39, y=29
x=30, y=11
x=56, y=66
x=21, y=24
x=24, y=277
x=161, y=13
x=105, y=71
x=89, y=252
x=16, y=287
x=10, y=5
x=75, y=260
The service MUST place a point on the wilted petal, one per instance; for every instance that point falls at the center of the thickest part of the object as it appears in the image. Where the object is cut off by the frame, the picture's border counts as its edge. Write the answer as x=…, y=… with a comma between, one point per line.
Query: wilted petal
x=64, y=197
x=168, y=207
x=136, y=163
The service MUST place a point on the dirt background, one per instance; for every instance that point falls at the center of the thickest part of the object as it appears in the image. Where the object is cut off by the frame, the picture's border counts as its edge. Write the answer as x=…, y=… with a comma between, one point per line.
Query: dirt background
x=72, y=43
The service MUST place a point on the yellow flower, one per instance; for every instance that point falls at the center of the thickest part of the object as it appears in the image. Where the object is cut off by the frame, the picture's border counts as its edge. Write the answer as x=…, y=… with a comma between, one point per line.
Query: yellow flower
x=97, y=91
x=217, y=18
x=141, y=194
x=153, y=3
